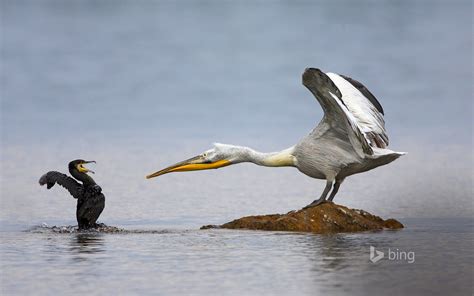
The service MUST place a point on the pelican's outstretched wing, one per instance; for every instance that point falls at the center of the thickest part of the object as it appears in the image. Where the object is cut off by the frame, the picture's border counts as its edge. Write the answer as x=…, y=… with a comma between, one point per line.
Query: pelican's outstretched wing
x=50, y=178
x=365, y=108
x=346, y=107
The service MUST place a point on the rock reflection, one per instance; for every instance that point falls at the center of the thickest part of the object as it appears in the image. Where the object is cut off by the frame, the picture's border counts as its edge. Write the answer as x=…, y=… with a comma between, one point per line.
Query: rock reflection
x=338, y=252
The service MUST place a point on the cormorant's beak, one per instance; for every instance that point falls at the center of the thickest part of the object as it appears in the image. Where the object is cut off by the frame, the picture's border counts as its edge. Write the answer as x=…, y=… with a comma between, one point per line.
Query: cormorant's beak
x=83, y=169
x=192, y=164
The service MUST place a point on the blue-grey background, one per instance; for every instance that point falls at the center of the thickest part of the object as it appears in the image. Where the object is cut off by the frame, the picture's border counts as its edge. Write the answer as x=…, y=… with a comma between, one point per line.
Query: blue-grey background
x=139, y=85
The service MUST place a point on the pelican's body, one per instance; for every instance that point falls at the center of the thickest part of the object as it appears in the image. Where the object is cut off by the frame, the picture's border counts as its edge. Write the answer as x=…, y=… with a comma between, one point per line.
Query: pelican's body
x=350, y=139
x=325, y=154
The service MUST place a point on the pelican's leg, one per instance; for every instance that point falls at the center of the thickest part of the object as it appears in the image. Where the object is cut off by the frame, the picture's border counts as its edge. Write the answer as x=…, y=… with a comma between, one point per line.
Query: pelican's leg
x=335, y=189
x=323, y=196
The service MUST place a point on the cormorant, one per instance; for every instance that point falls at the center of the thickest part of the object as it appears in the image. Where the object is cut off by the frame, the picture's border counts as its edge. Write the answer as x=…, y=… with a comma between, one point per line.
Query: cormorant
x=90, y=200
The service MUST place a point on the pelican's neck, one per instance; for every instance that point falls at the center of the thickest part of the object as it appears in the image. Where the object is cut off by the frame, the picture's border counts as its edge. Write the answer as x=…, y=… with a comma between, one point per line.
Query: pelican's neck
x=271, y=159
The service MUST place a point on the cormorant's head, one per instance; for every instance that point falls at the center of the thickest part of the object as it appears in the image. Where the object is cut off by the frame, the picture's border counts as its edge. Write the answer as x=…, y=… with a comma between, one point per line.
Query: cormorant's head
x=78, y=165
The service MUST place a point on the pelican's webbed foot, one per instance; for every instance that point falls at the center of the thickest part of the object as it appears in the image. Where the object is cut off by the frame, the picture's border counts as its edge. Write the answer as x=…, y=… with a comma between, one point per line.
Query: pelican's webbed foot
x=322, y=199
x=315, y=203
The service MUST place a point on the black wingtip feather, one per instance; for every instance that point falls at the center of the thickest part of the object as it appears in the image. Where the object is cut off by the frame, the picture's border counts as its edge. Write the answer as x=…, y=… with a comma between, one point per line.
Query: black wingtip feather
x=365, y=92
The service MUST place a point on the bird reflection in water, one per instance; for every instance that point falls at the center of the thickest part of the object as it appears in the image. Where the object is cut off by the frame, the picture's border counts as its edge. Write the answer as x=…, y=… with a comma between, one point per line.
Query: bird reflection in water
x=337, y=252
x=86, y=243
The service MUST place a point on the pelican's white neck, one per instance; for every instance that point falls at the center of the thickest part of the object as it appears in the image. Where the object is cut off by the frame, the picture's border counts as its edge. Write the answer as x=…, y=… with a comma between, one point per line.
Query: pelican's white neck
x=272, y=159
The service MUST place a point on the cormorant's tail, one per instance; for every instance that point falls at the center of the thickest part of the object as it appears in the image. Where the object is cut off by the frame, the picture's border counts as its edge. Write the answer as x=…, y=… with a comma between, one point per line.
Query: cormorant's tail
x=51, y=178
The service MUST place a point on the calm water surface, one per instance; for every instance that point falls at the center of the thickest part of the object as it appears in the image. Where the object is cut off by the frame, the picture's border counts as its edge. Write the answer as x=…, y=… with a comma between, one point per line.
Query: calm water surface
x=222, y=262
x=138, y=85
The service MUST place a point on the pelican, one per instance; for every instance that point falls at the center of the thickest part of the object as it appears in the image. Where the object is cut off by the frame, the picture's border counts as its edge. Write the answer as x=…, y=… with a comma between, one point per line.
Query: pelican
x=350, y=138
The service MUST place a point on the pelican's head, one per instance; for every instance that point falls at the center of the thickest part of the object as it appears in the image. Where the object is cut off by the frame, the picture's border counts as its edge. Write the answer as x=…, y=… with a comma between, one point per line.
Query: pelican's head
x=220, y=156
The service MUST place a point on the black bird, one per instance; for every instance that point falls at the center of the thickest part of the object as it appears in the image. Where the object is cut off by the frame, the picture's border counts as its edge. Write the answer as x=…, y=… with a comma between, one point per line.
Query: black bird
x=90, y=200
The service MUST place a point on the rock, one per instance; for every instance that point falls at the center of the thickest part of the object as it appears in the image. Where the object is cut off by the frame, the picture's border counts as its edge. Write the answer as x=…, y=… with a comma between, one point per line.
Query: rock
x=392, y=224
x=210, y=226
x=324, y=218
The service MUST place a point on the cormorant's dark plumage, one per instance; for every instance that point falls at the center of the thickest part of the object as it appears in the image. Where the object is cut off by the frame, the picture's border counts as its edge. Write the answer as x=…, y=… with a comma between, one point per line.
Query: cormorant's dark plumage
x=90, y=200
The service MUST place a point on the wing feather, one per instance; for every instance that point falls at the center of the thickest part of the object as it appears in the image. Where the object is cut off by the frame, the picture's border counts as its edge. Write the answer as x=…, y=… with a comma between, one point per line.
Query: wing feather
x=51, y=178
x=357, y=138
x=365, y=91
x=336, y=112
x=364, y=107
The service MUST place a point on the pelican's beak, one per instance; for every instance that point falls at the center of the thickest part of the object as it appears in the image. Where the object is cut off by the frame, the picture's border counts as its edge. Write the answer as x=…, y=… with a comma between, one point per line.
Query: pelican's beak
x=192, y=164
x=83, y=169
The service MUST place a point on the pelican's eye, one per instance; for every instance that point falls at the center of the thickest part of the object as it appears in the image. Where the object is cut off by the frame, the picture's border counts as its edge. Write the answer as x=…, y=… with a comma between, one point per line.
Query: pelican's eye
x=207, y=157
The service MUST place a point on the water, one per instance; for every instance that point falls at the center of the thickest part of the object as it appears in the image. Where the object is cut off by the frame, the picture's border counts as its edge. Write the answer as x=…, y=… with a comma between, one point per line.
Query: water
x=138, y=85
x=223, y=262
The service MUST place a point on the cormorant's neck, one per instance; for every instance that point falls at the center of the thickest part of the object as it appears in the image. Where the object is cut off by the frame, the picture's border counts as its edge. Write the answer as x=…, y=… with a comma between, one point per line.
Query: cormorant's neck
x=83, y=177
x=271, y=159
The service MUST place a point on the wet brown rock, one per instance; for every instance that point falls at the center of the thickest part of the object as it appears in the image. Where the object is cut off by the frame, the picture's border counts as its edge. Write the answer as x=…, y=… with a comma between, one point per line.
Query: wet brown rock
x=393, y=224
x=325, y=218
